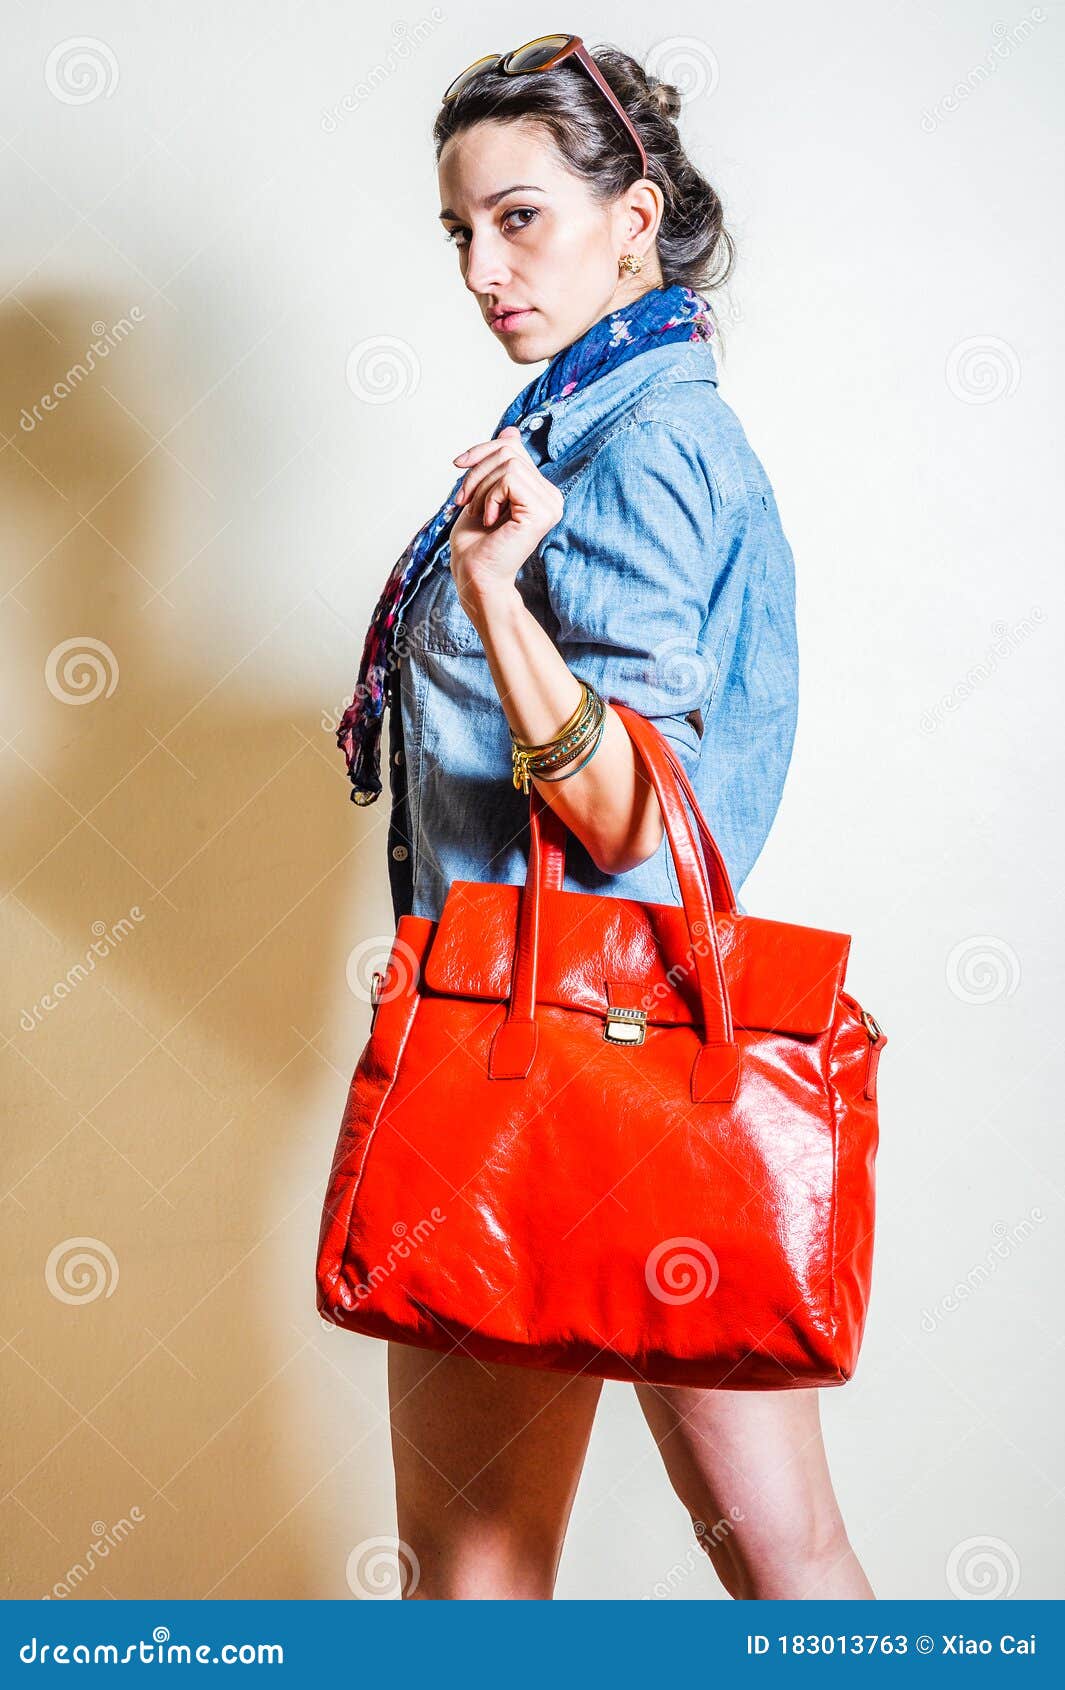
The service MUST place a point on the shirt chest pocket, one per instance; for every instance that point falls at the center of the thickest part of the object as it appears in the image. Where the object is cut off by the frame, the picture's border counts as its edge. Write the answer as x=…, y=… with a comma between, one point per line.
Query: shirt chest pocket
x=438, y=621
x=441, y=623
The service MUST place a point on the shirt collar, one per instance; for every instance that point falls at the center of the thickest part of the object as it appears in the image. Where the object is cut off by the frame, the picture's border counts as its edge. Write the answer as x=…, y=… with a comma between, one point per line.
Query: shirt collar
x=570, y=418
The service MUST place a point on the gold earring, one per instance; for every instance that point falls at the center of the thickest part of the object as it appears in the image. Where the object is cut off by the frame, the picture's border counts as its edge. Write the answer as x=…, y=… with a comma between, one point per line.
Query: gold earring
x=632, y=262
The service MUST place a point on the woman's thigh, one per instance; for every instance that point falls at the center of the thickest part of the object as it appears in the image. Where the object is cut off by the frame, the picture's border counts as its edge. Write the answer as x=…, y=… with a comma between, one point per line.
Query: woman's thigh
x=487, y=1459
x=751, y=1469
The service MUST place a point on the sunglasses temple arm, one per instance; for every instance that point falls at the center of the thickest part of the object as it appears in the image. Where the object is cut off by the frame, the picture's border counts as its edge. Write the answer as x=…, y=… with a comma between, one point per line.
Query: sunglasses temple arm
x=600, y=80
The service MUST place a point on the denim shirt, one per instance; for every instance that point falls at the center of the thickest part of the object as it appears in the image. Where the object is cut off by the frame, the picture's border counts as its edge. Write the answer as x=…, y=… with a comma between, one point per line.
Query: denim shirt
x=668, y=585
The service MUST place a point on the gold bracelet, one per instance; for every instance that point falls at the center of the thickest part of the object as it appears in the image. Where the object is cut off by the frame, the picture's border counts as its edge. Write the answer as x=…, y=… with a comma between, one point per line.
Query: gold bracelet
x=574, y=743
x=525, y=745
x=567, y=743
x=584, y=760
x=522, y=751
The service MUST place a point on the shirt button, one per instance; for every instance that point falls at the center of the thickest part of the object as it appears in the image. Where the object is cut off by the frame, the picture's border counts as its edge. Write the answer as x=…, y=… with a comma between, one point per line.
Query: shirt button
x=397, y=756
x=400, y=853
x=537, y=421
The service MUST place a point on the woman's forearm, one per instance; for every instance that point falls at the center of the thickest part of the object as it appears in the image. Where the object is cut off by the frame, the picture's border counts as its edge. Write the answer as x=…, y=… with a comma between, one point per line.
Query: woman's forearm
x=609, y=803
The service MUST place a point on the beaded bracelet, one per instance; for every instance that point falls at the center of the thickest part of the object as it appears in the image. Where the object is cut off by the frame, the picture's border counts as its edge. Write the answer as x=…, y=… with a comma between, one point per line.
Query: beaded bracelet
x=572, y=738
x=575, y=744
x=566, y=744
x=584, y=760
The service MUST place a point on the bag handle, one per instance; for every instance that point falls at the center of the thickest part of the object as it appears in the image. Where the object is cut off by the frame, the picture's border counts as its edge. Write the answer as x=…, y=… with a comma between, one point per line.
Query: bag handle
x=715, y=1073
x=554, y=833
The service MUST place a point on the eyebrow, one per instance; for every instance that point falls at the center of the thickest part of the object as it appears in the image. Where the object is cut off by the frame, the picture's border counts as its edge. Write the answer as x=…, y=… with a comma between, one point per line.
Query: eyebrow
x=493, y=199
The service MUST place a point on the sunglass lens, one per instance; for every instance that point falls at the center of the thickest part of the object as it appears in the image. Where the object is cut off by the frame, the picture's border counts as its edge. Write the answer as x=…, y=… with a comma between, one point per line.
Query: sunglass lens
x=467, y=75
x=535, y=54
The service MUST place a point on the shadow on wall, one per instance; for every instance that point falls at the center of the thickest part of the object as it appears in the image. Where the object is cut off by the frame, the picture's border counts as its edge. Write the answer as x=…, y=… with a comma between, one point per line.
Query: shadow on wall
x=184, y=880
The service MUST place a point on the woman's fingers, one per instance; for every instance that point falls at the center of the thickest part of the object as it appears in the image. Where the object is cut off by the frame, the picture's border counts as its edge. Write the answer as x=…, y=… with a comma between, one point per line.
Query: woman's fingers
x=487, y=498
x=512, y=483
x=474, y=453
x=495, y=499
x=476, y=477
x=493, y=455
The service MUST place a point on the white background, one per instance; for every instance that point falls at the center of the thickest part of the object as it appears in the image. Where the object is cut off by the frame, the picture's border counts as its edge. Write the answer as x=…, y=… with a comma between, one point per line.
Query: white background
x=219, y=507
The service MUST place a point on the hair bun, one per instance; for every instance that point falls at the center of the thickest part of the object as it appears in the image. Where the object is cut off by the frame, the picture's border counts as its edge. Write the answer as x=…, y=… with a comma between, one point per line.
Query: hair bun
x=666, y=97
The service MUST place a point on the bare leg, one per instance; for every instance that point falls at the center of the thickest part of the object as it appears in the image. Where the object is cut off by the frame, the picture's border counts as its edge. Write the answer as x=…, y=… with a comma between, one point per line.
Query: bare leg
x=487, y=1460
x=750, y=1467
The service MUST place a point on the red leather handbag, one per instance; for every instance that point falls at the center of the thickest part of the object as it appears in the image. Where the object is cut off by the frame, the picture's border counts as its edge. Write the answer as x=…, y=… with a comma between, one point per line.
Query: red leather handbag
x=597, y=1135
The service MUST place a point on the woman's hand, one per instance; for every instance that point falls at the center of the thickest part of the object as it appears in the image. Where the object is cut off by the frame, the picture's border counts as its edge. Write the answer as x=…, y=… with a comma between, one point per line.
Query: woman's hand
x=508, y=507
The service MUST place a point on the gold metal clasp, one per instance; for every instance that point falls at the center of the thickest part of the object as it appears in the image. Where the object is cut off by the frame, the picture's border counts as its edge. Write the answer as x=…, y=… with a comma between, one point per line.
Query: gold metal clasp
x=871, y=1027
x=625, y=1026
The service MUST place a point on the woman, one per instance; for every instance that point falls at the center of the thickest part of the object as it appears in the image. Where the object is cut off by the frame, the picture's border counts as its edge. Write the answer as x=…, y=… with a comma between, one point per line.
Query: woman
x=616, y=530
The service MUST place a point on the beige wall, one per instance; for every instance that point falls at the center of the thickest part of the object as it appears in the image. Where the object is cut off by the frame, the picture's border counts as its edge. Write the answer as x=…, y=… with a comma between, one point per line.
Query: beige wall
x=194, y=537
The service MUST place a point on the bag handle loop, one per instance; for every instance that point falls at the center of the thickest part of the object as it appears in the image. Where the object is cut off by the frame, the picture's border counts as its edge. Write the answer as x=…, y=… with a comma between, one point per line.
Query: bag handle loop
x=554, y=834
x=704, y=886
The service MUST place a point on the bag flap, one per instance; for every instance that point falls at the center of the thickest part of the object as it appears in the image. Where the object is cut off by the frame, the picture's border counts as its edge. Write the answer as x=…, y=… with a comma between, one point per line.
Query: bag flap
x=597, y=950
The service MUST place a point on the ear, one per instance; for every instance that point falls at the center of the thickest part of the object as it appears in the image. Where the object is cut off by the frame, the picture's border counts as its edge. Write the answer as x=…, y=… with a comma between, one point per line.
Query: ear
x=641, y=208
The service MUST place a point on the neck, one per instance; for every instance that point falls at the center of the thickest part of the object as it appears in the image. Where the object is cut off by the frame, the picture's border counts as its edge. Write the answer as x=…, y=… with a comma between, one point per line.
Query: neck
x=631, y=288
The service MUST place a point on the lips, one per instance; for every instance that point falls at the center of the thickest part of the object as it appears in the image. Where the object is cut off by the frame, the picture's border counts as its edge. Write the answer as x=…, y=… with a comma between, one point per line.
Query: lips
x=510, y=316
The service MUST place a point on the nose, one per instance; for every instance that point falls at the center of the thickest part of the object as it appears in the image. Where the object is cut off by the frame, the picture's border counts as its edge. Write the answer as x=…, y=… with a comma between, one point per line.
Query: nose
x=486, y=269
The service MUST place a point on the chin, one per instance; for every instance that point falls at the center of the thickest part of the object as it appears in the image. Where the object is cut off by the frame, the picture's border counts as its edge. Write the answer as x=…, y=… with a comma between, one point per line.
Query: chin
x=526, y=355
x=531, y=348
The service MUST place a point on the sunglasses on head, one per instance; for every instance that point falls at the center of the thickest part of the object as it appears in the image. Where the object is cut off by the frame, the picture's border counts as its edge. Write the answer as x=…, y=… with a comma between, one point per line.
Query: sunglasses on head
x=545, y=53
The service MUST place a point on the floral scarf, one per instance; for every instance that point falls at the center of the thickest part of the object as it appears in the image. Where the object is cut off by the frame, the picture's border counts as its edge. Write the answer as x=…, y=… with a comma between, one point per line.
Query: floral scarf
x=656, y=318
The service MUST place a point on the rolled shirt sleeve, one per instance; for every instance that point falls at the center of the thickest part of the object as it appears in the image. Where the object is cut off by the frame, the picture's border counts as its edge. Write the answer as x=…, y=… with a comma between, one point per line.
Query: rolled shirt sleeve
x=639, y=581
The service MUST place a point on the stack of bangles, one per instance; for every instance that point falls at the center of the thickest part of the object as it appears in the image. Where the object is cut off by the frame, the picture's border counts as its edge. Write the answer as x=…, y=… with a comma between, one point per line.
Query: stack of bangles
x=580, y=735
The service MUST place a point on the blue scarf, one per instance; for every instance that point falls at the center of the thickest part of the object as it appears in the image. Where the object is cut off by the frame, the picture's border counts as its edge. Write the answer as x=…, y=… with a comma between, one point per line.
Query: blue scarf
x=655, y=319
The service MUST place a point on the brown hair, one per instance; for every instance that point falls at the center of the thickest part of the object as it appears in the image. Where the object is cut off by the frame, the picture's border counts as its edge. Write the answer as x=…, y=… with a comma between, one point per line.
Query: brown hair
x=694, y=247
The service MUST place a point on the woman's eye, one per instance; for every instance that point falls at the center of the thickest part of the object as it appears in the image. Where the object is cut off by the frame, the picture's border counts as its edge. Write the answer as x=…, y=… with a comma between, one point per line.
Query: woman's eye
x=521, y=211
x=458, y=236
